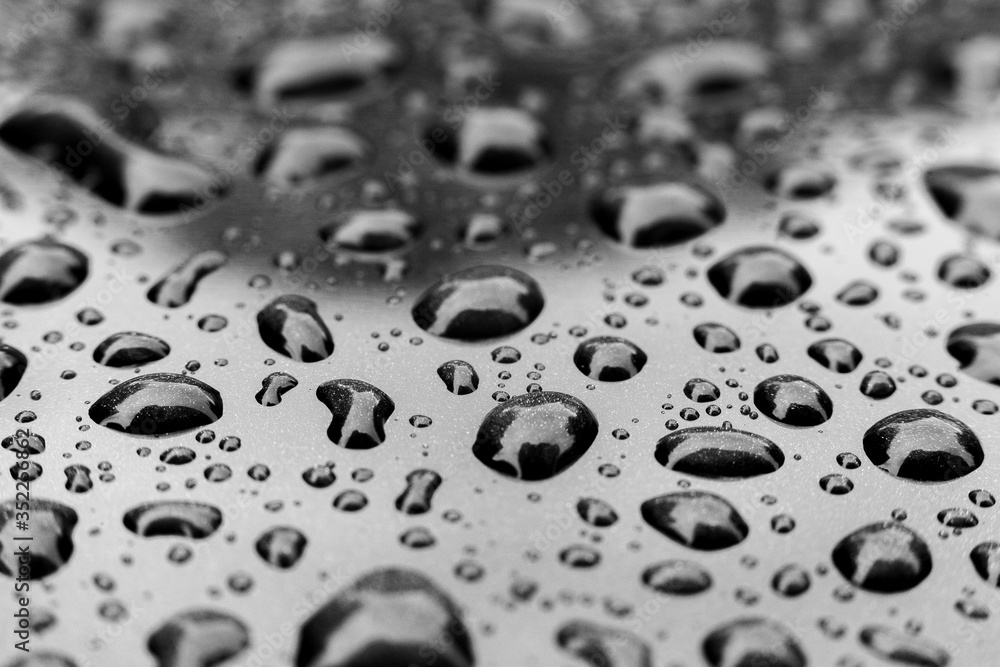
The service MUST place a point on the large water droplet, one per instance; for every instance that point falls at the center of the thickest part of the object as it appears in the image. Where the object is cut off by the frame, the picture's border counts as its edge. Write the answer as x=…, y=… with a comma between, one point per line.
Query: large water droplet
x=359, y=412
x=158, y=404
x=986, y=560
x=387, y=617
x=759, y=277
x=718, y=453
x=747, y=642
x=48, y=537
x=609, y=359
x=535, y=436
x=291, y=325
x=198, y=638
x=716, y=337
x=40, y=271
x=878, y=385
x=968, y=194
x=903, y=649
x=657, y=215
x=883, y=557
x=129, y=349
x=603, y=645
x=923, y=445
x=478, y=303
x=177, y=518
x=793, y=400
x=963, y=272
x=696, y=519
x=372, y=231
x=677, y=577
x=459, y=377
x=13, y=363
x=835, y=354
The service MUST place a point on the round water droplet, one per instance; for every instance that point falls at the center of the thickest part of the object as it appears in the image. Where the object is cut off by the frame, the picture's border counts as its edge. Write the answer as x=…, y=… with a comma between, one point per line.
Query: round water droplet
x=609, y=359
x=759, y=277
x=963, y=272
x=663, y=214
x=902, y=648
x=716, y=337
x=986, y=561
x=745, y=642
x=835, y=354
x=883, y=557
x=923, y=445
x=677, y=577
x=793, y=400
x=696, y=519
x=878, y=385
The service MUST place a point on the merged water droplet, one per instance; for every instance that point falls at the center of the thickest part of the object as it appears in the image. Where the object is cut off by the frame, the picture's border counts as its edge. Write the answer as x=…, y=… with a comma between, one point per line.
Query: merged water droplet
x=130, y=349
x=359, y=412
x=13, y=363
x=40, y=271
x=662, y=214
x=48, y=537
x=835, y=354
x=420, y=487
x=372, y=231
x=198, y=638
x=977, y=348
x=901, y=648
x=281, y=546
x=923, y=445
x=696, y=519
x=158, y=404
x=177, y=287
x=291, y=325
x=603, y=645
x=759, y=277
x=459, y=377
x=883, y=557
x=751, y=641
x=535, y=436
x=677, y=577
x=389, y=617
x=273, y=387
x=793, y=400
x=479, y=303
x=717, y=453
x=176, y=518
x=609, y=358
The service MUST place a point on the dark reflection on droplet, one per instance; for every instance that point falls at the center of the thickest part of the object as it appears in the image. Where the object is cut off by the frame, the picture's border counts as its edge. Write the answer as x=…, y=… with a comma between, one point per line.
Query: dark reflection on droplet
x=40, y=271
x=657, y=215
x=359, y=412
x=677, y=577
x=923, y=445
x=748, y=642
x=798, y=226
x=387, y=617
x=858, y=293
x=46, y=527
x=883, y=557
x=967, y=194
x=716, y=337
x=303, y=156
x=791, y=581
x=420, y=487
x=986, y=561
x=835, y=354
x=491, y=142
x=793, y=400
x=759, y=277
x=478, y=303
x=609, y=359
x=178, y=518
x=291, y=325
x=958, y=517
x=696, y=519
x=372, y=231
x=459, y=377
x=128, y=349
x=596, y=512
x=281, y=546
x=901, y=648
x=273, y=387
x=801, y=181
x=717, y=453
x=78, y=479
x=158, y=404
x=198, y=638
x=535, y=436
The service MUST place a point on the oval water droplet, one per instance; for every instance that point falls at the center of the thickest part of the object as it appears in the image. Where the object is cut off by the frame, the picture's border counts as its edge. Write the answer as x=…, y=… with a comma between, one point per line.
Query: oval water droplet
x=977, y=348
x=603, y=645
x=677, y=577
x=793, y=400
x=717, y=338
x=596, y=512
x=291, y=325
x=177, y=287
x=281, y=546
x=858, y=293
x=901, y=648
x=963, y=272
x=535, y=436
x=652, y=216
x=696, y=519
x=158, y=404
x=716, y=453
x=48, y=537
x=878, y=385
x=883, y=557
x=478, y=303
x=459, y=377
x=198, y=638
x=967, y=194
x=13, y=363
x=304, y=155
x=176, y=518
x=130, y=349
x=609, y=359
x=923, y=445
x=759, y=277
x=40, y=271
x=372, y=231
x=835, y=354
x=746, y=642
x=986, y=561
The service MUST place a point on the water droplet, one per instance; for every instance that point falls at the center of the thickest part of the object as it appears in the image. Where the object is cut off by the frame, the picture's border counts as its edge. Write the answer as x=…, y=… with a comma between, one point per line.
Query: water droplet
x=878, y=385
x=696, y=519
x=753, y=641
x=716, y=453
x=596, y=512
x=977, y=348
x=372, y=231
x=609, y=359
x=883, y=557
x=281, y=546
x=50, y=531
x=420, y=487
x=716, y=337
x=273, y=387
x=359, y=412
x=40, y=271
x=793, y=400
x=158, y=404
x=130, y=349
x=759, y=277
x=177, y=518
x=657, y=215
x=596, y=644
x=986, y=561
x=198, y=637
x=966, y=194
x=858, y=293
x=963, y=272
x=177, y=287
x=677, y=577
x=835, y=354
x=791, y=581
x=13, y=363
x=923, y=445
x=900, y=648
x=291, y=325
x=459, y=377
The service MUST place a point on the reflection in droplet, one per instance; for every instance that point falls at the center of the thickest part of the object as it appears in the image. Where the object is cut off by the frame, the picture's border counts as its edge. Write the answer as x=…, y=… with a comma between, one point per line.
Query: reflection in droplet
x=923, y=445
x=696, y=519
x=883, y=557
x=759, y=277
